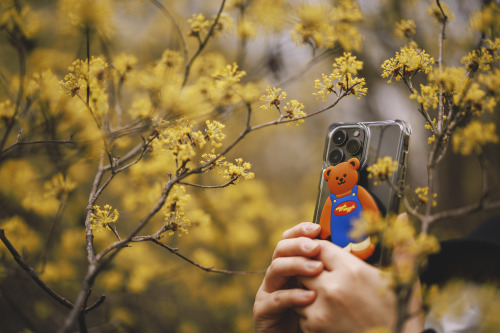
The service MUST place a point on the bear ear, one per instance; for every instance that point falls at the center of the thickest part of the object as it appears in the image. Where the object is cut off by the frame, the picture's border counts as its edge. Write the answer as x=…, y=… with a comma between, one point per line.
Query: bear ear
x=354, y=162
x=326, y=173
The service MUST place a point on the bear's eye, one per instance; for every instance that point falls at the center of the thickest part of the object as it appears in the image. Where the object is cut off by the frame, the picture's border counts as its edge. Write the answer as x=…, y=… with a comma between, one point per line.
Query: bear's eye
x=337, y=178
x=345, y=175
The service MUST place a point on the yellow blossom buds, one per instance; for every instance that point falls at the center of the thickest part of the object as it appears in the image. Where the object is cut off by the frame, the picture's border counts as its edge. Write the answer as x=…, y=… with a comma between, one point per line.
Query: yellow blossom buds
x=382, y=170
x=103, y=218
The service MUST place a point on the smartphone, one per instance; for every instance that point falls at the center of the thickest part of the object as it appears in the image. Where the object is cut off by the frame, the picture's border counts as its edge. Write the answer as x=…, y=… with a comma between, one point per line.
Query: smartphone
x=365, y=142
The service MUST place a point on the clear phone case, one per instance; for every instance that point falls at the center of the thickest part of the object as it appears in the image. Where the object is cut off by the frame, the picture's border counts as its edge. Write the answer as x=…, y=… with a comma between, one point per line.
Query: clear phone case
x=367, y=141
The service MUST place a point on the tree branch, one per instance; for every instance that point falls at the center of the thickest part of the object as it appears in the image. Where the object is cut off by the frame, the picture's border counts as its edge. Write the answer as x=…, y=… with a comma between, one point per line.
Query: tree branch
x=175, y=251
x=31, y=272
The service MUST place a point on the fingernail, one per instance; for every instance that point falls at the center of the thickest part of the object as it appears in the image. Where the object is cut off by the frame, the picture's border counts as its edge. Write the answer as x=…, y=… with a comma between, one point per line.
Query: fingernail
x=312, y=227
x=309, y=245
x=313, y=265
x=307, y=294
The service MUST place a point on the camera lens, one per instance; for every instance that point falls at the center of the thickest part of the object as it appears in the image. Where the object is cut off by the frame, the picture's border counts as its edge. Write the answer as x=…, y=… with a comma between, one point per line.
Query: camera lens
x=336, y=156
x=353, y=147
x=339, y=137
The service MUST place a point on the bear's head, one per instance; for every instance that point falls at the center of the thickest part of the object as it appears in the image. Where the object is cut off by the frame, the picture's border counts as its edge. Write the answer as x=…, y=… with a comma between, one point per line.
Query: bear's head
x=342, y=177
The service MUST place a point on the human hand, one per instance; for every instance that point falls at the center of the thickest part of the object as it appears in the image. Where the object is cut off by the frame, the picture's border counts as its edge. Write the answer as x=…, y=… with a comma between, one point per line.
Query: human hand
x=280, y=290
x=352, y=296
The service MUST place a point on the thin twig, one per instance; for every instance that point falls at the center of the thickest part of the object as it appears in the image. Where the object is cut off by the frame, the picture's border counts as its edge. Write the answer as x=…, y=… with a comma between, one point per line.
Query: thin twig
x=167, y=13
x=231, y=182
x=442, y=36
x=203, y=43
x=176, y=252
x=21, y=143
x=31, y=272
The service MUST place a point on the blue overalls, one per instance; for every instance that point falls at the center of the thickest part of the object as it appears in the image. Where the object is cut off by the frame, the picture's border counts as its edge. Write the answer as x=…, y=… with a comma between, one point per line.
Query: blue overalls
x=345, y=210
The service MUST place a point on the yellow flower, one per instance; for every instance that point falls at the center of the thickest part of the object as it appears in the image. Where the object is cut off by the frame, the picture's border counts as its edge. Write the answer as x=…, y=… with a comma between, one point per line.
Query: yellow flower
x=424, y=245
x=423, y=195
x=347, y=64
x=103, y=218
x=213, y=133
x=472, y=137
x=199, y=24
x=94, y=14
x=486, y=19
x=478, y=60
x=450, y=78
x=314, y=26
x=15, y=16
x=124, y=63
x=431, y=139
x=406, y=63
x=325, y=88
x=405, y=28
x=223, y=26
x=59, y=186
x=273, y=97
x=6, y=110
x=238, y=170
x=382, y=170
x=20, y=234
x=434, y=11
x=246, y=29
x=295, y=110
x=230, y=74
x=179, y=139
x=427, y=97
x=347, y=11
x=473, y=99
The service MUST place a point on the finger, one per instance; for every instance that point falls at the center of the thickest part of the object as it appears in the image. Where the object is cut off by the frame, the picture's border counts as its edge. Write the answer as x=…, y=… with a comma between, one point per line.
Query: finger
x=281, y=300
x=334, y=256
x=301, y=246
x=304, y=229
x=317, y=282
x=283, y=268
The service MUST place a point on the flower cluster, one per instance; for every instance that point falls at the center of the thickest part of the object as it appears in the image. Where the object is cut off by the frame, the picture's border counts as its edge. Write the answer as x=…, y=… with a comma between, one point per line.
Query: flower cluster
x=406, y=64
x=322, y=26
x=486, y=19
x=238, y=170
x=398, y=235
x=223, y=87
x=214, y=134
x=423, y=195
x=405, y=28
x=103, y=218
x=14, y=17
x=180, y=140
x=427, y=96
x=435, y=11
x=272, y=98
x=88, y=14
x=294, y=110
x=7, y=110
x=472, y=137
x=59, y=186
x=174, y=211
x=200, y=25
x=344, y=69
x=382, y=170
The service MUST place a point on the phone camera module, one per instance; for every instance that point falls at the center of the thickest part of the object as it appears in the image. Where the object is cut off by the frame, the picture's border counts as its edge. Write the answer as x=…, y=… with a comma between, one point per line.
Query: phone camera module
x=353, y=147
x=339, y=137
x=336, y=156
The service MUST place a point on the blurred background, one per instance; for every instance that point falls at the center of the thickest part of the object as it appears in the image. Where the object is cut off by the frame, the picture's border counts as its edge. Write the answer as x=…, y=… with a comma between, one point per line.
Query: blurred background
x=147, y=288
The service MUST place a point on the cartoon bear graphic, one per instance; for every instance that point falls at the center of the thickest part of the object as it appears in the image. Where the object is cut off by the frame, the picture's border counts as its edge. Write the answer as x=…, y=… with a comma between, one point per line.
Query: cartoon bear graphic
x=345, y=204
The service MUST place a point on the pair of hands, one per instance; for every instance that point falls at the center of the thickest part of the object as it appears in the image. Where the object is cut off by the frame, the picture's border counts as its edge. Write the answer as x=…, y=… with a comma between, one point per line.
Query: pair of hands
x=316, y=286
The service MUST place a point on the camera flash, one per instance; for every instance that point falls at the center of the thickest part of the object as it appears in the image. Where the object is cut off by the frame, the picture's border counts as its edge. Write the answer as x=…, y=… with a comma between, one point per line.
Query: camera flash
x=356, y=133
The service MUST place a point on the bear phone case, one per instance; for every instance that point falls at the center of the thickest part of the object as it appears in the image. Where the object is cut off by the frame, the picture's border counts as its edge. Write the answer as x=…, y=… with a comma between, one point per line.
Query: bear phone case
x=349, y=149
